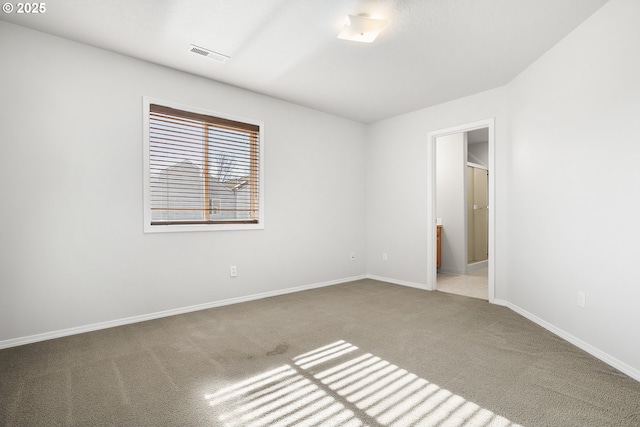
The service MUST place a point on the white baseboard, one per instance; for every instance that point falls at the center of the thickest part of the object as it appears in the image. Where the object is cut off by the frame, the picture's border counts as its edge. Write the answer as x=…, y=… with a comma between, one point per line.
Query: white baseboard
x=606, y=358
x=477, y=266
x=453, y=271
x=166, y=313
x=398, y=282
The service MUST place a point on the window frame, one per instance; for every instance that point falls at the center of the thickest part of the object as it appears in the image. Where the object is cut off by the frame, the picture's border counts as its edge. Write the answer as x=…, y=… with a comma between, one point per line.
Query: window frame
x=150, y=227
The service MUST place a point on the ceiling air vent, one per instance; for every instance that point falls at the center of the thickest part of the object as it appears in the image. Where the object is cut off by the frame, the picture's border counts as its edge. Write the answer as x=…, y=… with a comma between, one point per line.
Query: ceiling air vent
x=208, y=53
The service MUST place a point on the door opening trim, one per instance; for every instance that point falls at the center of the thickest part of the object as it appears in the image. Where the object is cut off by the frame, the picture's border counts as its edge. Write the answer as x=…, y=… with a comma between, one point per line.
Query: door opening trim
x=431, y=199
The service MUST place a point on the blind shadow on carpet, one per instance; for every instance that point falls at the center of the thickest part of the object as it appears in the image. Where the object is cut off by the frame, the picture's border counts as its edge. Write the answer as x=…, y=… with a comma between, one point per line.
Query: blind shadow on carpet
x=342, y=385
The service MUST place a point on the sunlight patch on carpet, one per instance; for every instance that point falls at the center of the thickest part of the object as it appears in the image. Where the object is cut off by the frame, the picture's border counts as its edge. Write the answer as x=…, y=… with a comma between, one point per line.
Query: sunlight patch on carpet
x=340, y=385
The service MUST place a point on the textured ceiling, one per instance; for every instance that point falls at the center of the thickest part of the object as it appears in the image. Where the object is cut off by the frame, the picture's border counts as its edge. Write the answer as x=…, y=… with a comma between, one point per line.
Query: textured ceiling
x=431, y=51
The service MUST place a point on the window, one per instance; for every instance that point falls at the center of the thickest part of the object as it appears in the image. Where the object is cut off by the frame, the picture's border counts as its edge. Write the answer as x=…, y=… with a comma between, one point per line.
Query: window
x=214, y=206
x=203, y=170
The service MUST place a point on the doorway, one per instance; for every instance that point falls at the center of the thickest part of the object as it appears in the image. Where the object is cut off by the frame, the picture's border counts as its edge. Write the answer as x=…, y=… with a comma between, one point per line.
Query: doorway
x=468, y=249
x=477, y=215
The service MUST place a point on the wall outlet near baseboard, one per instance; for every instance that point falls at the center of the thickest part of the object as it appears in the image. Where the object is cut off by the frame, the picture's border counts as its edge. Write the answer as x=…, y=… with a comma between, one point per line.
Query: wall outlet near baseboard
x=385, y=257
x=233, y=271
x=582, y=300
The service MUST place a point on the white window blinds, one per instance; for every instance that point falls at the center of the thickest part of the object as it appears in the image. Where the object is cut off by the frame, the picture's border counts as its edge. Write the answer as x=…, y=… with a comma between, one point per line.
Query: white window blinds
x=202, y=169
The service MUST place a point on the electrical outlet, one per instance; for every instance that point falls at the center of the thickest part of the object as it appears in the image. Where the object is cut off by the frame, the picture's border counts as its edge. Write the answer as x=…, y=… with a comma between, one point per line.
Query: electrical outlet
x=233, y=271
x=353, y=256
x=384, y=256
x=582, y=300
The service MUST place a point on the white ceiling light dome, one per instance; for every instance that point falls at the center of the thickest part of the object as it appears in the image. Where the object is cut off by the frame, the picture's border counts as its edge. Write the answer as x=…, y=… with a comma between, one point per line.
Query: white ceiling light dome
x=361, y=28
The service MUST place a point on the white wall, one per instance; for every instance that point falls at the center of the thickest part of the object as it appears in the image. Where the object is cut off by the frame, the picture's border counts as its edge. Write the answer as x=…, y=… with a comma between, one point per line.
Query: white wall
x=73, y=250
x=573, y=184
x=566, y=173
x=451, y=205
x=397, y=172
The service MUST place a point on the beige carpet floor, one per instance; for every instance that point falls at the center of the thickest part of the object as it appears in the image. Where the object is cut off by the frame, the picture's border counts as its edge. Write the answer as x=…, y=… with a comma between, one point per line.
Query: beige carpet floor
x=361, y=353
x=475, y=284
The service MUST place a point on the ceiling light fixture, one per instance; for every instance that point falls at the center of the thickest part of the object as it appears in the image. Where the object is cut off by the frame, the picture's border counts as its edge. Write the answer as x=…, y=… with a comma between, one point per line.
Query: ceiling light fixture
x=360, y=28
x=208, y=53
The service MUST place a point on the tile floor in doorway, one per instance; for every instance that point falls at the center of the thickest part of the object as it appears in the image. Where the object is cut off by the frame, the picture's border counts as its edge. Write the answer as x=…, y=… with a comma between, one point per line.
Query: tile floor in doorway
x=475, y=284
